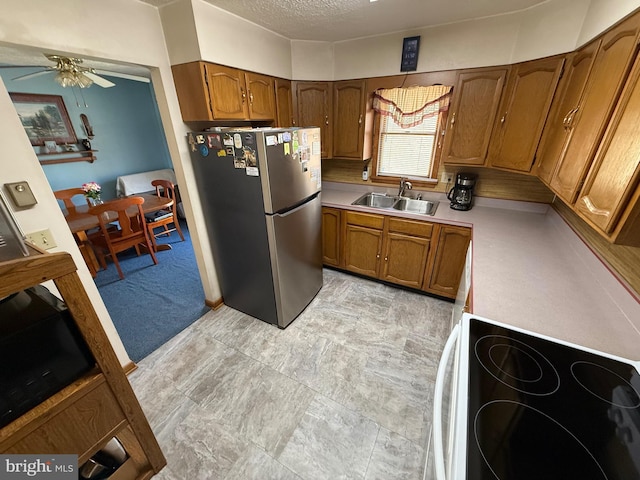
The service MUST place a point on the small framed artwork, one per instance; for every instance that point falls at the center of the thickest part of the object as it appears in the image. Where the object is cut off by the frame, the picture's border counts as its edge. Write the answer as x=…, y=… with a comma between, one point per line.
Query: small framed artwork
x=410, y=50
x=44, y=118
x=50, y=146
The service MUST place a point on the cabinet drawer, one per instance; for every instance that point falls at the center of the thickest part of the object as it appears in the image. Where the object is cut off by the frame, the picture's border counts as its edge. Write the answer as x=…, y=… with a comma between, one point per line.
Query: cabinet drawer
x=419, y=229
x=77, y=428
x=365, y=220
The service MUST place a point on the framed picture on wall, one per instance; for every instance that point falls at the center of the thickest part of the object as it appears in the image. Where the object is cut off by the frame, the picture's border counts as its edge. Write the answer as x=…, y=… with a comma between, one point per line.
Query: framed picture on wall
x=44, y=118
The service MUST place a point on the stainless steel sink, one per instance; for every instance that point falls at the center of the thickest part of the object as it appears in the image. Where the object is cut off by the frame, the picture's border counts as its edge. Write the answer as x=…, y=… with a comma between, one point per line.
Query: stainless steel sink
x=425, y=207
x=376, y=200
x=410, y=205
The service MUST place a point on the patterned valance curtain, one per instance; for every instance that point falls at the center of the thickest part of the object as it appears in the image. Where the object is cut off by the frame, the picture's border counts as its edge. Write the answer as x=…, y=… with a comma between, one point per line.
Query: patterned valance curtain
x=410, y=106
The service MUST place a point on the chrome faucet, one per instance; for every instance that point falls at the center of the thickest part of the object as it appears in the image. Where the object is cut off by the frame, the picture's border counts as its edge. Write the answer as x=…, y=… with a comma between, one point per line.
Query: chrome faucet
x=404, y=184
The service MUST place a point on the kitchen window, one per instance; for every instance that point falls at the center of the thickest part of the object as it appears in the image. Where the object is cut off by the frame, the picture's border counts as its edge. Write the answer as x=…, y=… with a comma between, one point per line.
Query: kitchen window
x=408, y=132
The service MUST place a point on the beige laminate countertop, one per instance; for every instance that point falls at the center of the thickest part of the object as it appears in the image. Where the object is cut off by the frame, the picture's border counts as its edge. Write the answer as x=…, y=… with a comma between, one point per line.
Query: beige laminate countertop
x=532, y=271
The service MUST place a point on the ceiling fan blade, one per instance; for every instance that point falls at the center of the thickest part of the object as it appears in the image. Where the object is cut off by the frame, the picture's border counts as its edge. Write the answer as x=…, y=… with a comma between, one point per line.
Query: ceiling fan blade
x=32, y=75
x=102, y=82
x=126, y=76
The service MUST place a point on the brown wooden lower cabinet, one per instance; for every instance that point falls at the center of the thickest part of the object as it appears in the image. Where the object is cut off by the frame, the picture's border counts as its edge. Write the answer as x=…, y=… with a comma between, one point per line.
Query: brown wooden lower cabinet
x=417, y=254
x=448, y=261
x=331, y=224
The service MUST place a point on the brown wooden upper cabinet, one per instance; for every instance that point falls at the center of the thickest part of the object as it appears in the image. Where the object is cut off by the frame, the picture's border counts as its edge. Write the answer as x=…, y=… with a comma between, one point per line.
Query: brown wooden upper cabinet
x=476, y=97
x=349, y=116
x=522, y=113
x=574, y=143
x=207, y=91
x=284, y=104
x=610, y=198
x=313, y=105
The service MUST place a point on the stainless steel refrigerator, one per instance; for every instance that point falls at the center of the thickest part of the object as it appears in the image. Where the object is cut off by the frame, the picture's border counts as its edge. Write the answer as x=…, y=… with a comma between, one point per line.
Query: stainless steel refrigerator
x=260, y=194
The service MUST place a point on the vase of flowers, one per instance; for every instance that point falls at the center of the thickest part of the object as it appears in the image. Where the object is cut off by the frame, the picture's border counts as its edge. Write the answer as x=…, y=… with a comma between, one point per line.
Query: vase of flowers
x=92, y=192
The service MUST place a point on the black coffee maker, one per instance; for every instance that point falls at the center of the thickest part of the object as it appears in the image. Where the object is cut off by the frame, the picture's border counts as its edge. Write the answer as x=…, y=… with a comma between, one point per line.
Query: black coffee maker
x=461, y=193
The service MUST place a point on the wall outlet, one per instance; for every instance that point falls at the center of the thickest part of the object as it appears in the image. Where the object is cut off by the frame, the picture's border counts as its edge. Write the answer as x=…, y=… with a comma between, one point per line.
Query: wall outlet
x=42, y=239
x=445, y=177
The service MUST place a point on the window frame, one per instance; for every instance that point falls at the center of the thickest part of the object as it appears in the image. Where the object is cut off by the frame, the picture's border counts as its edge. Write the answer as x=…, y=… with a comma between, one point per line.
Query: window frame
x=417, y=182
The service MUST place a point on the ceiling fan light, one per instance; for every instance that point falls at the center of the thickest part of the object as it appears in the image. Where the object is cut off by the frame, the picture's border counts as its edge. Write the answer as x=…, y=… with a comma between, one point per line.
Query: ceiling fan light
x=65, y=79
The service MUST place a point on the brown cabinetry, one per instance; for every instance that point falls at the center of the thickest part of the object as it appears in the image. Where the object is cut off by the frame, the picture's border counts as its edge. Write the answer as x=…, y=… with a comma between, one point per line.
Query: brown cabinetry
x=314, y=109
x=207, y=91
x=585, y=122
x=349, y=109
x=331, y=228
x=284, y=104
x=447, y=264
x=412, y=253
x=476, y=97
x=609, y=198
x=523, y=112
x=82, y=417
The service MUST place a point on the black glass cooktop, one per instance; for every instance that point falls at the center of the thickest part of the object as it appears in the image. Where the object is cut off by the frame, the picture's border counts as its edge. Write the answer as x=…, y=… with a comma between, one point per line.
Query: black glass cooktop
x=545, y=411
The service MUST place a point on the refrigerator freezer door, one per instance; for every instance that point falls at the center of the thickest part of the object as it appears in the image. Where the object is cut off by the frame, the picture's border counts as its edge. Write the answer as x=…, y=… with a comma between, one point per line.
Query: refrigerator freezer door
x=296, y=257
x=292, y=167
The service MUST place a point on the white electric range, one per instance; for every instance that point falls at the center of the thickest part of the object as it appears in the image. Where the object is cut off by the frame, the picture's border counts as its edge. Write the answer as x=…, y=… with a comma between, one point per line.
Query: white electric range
x=515, y=405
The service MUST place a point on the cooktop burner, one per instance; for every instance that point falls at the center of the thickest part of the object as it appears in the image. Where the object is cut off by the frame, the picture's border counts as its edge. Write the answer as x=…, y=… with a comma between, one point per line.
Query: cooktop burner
x=543, y=410
x=517, y=365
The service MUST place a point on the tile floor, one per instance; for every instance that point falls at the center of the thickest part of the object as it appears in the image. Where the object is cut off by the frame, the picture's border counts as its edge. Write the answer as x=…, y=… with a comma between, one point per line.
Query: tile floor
x=344, y=392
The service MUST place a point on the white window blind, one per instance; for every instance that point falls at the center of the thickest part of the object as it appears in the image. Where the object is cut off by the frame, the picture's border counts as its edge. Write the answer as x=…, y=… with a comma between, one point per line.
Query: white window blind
x=407, y=151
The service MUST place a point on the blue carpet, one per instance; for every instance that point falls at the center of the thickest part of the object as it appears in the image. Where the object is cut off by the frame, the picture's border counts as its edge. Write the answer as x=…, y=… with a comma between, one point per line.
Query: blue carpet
x=154, y=302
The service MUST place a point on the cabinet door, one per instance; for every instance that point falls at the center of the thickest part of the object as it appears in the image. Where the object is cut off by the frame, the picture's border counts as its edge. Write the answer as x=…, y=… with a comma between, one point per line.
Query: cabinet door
x=522, y=113
x=613, y=176
x=193, y=93
x=405, y=259
x=362, y=250
x=557, y=131
x=227, y=92
x=284, y=110
x=448, y=261
x=262, y=96
x=313, y=105
x=331, y=236
x=349, y=116
x=476, y=97
x=594, y=110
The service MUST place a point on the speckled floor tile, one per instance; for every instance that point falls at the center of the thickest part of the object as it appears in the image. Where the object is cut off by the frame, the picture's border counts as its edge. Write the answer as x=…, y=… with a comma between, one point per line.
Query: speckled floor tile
x=395, y=458
x=330, y=442
x=344, y=392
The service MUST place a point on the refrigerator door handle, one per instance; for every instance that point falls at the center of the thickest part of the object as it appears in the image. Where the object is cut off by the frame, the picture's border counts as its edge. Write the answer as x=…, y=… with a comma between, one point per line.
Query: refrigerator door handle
x=285, y=213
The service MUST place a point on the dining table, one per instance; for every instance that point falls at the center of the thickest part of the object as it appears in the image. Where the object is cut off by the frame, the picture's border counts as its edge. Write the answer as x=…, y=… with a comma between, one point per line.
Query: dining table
x=80, y=221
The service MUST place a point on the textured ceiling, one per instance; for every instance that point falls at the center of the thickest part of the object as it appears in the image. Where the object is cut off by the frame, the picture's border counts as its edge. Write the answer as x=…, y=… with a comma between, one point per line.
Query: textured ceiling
x=335, y=20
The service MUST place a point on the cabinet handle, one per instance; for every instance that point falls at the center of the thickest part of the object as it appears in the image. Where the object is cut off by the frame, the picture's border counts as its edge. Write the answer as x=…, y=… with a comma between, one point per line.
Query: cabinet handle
x=568, y=116
x=571, y=115
x=244, y=95
x=386, y=259
x=593, y=209
x=326, y=119
x=377, y=255
x=250, y=96
x=504, y=117
x=453, y=119
x=360, y=120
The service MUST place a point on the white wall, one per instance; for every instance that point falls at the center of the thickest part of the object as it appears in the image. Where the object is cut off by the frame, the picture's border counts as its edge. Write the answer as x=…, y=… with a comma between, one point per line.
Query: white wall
x=230, y=40
x=312, y=60
x=602, y=14
x=118, y=30
x=180, y=32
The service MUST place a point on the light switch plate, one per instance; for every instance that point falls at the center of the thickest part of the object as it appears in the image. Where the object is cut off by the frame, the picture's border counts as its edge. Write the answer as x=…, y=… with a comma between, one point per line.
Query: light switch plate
x=42, y=239
x=21, y=194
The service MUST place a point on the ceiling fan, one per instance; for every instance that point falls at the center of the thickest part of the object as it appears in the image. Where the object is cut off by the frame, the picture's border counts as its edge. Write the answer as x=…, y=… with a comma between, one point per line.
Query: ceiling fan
x=71, y=73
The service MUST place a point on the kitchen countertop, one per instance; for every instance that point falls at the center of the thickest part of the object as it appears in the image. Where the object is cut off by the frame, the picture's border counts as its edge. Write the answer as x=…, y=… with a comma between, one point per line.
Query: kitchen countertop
x=531, y=270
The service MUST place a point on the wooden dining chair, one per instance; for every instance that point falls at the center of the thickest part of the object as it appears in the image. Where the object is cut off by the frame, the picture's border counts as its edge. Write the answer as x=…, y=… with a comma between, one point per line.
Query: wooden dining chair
x=131, y=231
x=162, y=218
x=84, y=245
x=67, y=195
